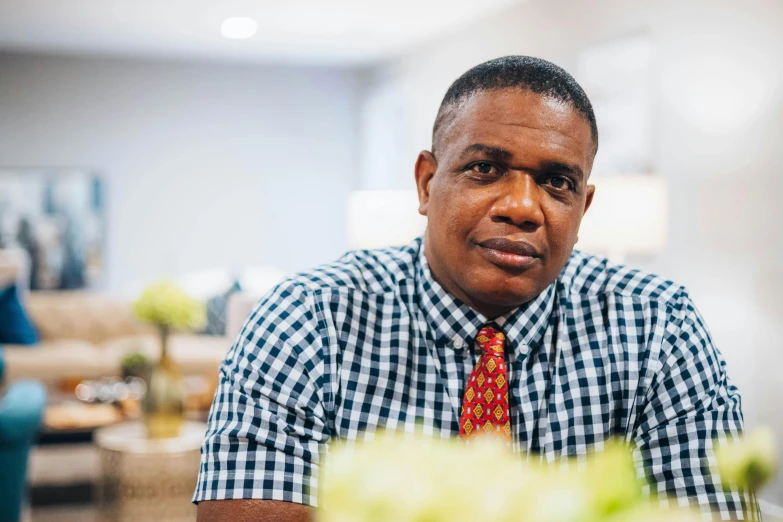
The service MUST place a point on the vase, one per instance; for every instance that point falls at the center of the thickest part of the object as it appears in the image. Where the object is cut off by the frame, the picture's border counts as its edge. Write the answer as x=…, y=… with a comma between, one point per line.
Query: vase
x=163, y=402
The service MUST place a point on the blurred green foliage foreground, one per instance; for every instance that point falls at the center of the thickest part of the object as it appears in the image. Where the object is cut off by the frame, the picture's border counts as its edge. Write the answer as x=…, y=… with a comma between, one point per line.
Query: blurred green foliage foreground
x=412, y=479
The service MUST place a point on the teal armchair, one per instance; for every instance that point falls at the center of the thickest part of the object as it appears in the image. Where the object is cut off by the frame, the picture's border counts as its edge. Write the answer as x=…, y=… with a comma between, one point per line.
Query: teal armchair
x=21, y=409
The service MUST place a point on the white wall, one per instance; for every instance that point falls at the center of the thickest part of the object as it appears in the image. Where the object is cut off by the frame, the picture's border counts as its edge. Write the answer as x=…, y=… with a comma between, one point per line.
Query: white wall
x=717, y=138
x=207, y=165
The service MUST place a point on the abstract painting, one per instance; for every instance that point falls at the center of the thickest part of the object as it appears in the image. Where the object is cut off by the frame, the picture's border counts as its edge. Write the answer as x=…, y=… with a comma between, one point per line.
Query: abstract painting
x=56, y=215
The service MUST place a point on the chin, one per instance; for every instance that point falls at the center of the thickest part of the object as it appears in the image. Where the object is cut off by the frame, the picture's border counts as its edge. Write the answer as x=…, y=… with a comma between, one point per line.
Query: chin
x=505, y=292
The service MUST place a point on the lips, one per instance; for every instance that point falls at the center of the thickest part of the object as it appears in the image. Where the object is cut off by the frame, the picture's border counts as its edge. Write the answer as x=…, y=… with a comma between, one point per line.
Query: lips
x=519, y=248
x=515, y=255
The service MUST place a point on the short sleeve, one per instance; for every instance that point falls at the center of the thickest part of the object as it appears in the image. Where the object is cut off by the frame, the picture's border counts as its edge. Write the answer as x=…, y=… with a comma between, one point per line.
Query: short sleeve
x=267, y=426
x=692, y=403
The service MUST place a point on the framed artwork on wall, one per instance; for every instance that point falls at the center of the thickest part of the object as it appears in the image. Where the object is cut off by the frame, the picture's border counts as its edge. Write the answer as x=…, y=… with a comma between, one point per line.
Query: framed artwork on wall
x=57, y=216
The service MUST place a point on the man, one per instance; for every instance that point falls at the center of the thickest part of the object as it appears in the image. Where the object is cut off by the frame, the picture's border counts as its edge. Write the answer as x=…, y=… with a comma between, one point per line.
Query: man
x=580, y=350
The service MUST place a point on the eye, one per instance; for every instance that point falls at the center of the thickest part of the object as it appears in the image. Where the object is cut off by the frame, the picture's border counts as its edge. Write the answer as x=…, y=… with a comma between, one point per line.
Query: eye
x=561, y=182
x=483, y=167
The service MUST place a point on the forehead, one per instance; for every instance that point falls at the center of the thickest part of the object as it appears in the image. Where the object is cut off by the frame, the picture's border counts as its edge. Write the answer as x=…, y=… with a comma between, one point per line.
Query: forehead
x=526, y=124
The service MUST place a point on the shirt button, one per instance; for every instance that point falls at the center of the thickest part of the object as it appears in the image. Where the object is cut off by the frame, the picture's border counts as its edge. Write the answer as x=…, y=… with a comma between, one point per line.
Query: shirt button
x=458, y=342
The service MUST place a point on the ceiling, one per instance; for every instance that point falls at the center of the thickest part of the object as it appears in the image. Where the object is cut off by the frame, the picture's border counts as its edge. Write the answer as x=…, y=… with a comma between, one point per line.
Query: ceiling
x=331, y=32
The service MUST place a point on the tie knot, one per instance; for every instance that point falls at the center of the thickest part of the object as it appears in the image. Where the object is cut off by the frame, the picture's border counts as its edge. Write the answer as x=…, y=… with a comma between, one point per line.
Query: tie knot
x=491, y=341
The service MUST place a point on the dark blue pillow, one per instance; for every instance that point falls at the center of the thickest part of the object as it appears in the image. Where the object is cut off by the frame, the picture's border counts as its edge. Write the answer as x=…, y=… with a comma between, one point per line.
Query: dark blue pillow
x=217, y=311
x=15, y=327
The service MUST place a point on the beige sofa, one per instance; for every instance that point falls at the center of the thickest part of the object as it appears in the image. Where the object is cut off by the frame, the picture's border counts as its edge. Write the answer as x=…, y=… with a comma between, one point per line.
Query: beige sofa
x=85, y=335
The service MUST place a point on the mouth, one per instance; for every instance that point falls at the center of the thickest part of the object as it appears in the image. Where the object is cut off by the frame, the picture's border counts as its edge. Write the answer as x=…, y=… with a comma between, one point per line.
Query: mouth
x=514, y=255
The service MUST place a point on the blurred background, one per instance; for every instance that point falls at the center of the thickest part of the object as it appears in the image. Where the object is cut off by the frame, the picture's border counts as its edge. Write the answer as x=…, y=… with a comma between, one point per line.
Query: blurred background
x=224, y=145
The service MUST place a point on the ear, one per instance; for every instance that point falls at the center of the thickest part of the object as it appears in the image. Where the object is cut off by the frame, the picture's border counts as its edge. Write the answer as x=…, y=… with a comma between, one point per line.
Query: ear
x=589, y=197
x=426, y=167
x=588, y=201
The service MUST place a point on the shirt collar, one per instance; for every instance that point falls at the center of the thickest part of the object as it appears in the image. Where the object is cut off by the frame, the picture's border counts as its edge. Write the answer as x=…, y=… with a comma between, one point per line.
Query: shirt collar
x=456, y=324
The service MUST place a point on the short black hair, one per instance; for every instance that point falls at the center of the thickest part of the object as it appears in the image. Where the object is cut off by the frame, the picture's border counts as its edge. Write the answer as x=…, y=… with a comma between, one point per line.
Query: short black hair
x=521, y=72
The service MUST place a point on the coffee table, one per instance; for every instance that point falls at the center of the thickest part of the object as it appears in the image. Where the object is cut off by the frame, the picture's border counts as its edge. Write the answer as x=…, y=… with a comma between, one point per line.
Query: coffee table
x=64, y=463
x=147, y=479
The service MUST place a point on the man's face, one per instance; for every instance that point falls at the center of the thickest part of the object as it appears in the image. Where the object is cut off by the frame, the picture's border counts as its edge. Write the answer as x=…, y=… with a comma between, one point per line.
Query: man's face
x=505, y=196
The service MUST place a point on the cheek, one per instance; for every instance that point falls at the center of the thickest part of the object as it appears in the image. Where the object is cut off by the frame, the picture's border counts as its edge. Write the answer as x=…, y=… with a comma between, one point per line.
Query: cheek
x=457, y=211
x=563, y=228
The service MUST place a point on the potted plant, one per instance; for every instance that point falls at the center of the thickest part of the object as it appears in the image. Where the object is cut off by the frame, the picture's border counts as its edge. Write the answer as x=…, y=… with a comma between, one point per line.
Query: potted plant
x=169, y=308
x=135, y=364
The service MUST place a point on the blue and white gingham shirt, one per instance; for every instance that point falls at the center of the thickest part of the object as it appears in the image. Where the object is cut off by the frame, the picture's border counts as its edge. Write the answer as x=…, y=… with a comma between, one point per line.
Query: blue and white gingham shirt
x=373, y=341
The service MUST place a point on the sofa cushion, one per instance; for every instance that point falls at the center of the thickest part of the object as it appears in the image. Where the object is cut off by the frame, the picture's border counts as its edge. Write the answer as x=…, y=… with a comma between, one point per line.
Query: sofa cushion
x=15, y=326
x=55, y=360
x=194, y=354
x=240, y=306
x=82, y=315
x=52, y=361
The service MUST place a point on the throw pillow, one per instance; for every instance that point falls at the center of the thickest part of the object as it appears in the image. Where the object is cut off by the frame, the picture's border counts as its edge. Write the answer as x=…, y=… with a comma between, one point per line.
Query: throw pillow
x=15, y=326
x=217, y=311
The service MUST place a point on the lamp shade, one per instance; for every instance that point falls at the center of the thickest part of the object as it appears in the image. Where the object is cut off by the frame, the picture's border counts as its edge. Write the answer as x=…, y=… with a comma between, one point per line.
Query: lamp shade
x=381, y=218
x=628, y=216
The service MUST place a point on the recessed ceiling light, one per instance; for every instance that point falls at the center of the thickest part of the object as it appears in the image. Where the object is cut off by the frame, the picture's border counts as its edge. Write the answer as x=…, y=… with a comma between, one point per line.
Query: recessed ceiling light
x=238, y=27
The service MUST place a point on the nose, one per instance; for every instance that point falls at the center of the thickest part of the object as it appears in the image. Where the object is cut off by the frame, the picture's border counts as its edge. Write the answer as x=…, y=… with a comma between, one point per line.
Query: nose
x=520, y=203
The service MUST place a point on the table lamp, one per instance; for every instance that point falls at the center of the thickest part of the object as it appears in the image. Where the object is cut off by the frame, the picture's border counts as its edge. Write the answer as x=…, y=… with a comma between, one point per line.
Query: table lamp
x=629, y=216
x=381, y=218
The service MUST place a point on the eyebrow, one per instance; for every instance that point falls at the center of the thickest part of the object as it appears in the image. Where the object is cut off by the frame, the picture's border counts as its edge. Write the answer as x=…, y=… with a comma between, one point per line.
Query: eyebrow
x=495, y=153
x=499, y=154
x=559, y=167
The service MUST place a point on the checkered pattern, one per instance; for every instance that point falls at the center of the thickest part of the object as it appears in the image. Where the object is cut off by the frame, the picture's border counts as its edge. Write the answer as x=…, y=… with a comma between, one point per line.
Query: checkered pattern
x=373, y=341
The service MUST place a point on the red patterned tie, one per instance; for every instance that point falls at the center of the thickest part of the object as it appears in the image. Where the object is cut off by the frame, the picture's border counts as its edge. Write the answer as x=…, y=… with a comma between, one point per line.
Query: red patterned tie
x=485, y=403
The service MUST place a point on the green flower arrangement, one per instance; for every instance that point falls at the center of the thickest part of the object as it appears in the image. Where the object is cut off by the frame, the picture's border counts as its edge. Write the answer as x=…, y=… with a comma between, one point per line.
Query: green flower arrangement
x=748, y=462
x=164, y=304
x=399, y=478
x=169, y=308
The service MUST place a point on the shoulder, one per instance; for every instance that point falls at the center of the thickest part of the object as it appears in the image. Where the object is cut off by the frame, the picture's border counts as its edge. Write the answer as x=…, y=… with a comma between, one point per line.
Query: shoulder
x=376, y=271
x=291, y=305
x=290, y=311
x=636, y=297
x=360, y=272
x=589, y=275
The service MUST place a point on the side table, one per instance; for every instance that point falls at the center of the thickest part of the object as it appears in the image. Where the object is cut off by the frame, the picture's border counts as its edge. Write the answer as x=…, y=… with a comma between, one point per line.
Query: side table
x=147, y=479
